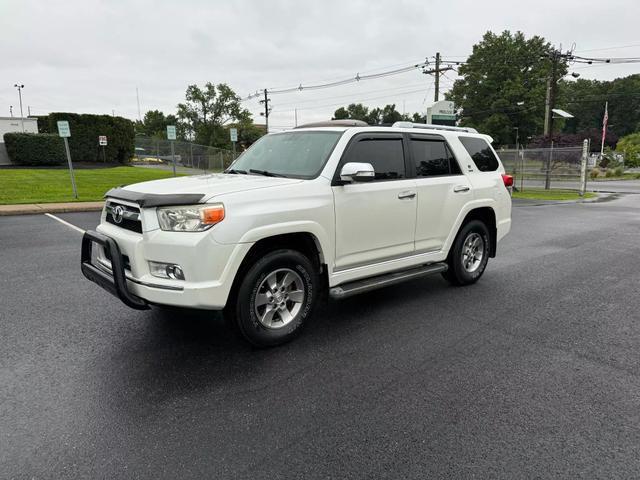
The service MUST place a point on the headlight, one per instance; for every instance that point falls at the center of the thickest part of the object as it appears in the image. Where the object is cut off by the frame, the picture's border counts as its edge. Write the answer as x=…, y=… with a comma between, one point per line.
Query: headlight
x=192, y=218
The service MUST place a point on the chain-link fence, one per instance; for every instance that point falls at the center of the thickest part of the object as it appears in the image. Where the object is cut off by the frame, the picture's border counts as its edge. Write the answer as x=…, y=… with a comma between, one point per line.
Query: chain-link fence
x=190, y=158
x=543, y=167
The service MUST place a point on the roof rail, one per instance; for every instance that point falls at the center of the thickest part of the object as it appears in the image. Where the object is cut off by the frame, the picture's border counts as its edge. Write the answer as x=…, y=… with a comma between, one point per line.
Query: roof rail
x=335, y=123
x=430, y=126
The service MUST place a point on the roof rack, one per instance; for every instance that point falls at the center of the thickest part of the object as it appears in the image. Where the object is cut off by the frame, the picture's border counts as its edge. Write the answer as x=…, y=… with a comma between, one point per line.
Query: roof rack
x=430, y=126
x=335, y=123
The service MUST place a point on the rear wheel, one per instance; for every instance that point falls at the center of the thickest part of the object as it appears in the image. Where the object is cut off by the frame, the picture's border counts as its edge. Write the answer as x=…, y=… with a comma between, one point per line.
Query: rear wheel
x=469, y=254
x=276, y=297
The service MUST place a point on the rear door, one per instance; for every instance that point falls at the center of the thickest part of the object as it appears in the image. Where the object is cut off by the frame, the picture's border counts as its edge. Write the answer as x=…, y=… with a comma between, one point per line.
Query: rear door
x=375, y=220
x=442, y=190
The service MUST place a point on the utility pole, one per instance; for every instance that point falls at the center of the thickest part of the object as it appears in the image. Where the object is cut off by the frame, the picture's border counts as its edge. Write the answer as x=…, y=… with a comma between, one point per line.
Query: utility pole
x=20, y=87
x=266, y=109
x=138, y=100
x=11, y=110
x=28, y=110
x=549, y=103
x=437, y=84
x=296, y=117
x=437, y=71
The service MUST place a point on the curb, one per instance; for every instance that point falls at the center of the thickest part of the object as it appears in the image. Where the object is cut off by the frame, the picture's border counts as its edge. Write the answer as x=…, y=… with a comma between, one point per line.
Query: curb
x=40, y=208
x=600, y=197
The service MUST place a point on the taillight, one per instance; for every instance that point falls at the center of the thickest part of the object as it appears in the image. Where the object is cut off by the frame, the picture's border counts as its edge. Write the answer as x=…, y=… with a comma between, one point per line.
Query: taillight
x=508, y=180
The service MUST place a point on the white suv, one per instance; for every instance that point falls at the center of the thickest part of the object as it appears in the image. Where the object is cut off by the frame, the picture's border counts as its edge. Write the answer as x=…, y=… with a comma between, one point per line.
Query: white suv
x=338, y=208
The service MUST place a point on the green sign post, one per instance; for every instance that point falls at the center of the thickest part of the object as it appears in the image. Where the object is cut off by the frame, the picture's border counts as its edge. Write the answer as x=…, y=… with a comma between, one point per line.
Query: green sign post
x=65, y=132
x=171, y=136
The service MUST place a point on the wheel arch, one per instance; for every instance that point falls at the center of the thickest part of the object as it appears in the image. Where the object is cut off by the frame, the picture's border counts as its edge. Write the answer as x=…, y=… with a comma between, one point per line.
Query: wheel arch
x=304, y=242
x=486, y=215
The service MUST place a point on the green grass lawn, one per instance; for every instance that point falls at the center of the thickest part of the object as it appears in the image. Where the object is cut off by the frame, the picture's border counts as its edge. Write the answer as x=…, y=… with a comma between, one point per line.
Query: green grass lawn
x=541, y=194
x=41, y=185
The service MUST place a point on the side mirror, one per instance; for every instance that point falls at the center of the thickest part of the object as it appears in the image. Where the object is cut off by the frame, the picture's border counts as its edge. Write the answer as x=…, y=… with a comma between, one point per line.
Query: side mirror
x=357, y=172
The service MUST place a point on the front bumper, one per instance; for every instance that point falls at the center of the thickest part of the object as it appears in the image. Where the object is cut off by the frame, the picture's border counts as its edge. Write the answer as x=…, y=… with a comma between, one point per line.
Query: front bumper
x=114, y=282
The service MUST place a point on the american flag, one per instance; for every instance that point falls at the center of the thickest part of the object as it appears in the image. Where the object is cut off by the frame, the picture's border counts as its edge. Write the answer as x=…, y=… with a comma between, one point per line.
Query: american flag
x=605, y=119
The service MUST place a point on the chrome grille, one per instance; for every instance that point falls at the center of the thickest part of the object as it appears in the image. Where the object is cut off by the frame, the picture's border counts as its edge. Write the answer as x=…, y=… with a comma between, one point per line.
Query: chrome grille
x=124, y=216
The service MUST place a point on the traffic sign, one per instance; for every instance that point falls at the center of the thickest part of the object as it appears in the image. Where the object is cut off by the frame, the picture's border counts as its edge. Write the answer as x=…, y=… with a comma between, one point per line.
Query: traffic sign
x=63, y=129
x=171, y=132
x=102, y=140
x=234, y=134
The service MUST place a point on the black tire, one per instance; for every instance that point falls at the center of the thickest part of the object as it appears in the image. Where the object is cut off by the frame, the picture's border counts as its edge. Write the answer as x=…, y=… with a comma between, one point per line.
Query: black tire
x=458, y=274
x=251, y=315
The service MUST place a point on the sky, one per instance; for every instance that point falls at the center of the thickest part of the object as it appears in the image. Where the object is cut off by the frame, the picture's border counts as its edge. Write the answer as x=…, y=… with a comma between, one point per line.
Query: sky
x=90, y=56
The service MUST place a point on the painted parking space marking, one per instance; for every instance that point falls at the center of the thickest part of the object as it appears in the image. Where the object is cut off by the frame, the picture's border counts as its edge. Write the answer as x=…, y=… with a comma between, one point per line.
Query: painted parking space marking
x=64, y=222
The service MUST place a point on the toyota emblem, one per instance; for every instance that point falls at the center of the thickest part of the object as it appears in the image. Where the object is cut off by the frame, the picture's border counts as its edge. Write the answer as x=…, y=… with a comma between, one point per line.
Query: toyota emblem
x=118, y=214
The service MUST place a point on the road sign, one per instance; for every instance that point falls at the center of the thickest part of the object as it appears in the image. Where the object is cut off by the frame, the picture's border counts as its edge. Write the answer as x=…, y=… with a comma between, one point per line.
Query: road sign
x=63, y=129
x=102, y=140
x=234, y=134
x=171, y=132
x=442, y=113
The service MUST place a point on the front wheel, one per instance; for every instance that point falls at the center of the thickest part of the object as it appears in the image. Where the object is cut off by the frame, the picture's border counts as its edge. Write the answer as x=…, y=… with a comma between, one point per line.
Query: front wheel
x=469, y=254
x=276, y=297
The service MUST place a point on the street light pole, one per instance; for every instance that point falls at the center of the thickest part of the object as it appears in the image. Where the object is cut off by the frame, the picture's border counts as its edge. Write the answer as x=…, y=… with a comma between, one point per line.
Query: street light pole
x=20, y=87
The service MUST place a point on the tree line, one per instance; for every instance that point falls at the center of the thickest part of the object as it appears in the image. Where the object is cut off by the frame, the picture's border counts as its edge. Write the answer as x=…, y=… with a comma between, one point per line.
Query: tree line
x=500, y=91
x=204, y=118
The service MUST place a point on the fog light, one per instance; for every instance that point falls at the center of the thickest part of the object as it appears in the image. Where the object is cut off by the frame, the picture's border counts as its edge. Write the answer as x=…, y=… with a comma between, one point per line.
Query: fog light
x=166, y=270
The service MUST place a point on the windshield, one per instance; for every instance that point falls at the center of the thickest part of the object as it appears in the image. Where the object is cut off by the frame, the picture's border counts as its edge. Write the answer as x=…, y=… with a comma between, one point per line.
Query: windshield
x=290, y=154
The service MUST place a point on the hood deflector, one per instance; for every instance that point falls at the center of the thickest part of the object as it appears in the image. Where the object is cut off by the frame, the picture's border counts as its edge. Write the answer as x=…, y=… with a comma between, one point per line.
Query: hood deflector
x=154, y=199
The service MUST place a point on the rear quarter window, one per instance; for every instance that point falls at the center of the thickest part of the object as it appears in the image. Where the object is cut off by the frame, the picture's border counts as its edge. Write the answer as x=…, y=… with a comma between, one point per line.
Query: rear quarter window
x=481, y=153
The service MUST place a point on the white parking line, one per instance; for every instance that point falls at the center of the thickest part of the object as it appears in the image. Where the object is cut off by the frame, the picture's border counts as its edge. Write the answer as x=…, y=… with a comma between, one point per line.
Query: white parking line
x=78, y=229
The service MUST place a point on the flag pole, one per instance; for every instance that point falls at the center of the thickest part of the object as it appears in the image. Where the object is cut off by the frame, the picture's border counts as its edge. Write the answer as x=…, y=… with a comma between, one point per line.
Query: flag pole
x=605, y=119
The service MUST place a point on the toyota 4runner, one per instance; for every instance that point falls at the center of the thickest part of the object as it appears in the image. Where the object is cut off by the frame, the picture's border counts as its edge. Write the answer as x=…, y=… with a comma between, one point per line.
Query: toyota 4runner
x=337, y=208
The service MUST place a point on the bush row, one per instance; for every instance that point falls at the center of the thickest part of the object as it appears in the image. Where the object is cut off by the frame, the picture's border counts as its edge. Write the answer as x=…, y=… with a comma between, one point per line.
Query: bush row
x=85, y=130
x=35, y=148
x=46, y=148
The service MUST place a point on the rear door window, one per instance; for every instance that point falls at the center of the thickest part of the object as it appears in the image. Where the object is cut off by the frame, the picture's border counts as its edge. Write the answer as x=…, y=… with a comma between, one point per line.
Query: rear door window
x=432, y=158
x=481, y=153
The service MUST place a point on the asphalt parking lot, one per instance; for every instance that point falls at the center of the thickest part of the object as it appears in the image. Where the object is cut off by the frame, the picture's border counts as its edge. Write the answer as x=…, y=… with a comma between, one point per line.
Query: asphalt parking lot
x=531, y=373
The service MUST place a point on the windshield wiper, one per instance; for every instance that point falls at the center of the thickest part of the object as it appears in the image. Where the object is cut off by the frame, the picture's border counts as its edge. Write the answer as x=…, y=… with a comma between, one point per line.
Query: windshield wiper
x=266, y=173
x=232, y=170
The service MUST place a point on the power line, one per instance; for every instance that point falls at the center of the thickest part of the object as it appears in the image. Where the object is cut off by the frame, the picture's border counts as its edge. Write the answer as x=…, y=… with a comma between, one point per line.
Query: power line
x=608, y=48
x=345, y=81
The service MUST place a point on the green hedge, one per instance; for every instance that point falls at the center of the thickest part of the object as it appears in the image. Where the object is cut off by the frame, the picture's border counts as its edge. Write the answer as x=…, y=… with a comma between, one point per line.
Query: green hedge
x=86, y=128
x=35, y=148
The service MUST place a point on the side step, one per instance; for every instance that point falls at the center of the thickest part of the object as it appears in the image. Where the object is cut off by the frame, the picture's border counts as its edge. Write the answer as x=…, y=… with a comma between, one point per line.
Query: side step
x=360, y=286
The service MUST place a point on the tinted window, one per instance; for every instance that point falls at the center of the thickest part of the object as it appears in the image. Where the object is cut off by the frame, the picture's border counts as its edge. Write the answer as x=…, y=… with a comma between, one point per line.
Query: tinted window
x=432, y=157
x=385, y=154
x=480, y=153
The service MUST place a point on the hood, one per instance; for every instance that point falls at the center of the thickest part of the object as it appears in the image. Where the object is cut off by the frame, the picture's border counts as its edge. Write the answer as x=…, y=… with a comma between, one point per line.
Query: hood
x=210, y=185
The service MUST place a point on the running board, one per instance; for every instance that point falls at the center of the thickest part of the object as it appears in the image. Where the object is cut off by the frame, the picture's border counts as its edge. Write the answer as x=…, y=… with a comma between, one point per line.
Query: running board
x=372, y=283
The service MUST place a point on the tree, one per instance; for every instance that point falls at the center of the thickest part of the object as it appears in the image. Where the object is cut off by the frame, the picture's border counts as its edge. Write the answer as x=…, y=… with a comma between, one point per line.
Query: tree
x=629, y=146
x=205, y=112
x=154, y=124
x=503, y=85
x=355, y=111
x=585, y=100
x=386, y=115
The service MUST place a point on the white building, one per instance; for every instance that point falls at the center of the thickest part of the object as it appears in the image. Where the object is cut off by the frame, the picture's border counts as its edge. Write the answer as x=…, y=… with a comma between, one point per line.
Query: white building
x=14, y=124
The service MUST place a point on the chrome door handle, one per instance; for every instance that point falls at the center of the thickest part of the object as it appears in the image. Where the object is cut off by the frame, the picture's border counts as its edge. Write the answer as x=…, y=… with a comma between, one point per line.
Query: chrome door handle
x=461, y=188
x=406, y=194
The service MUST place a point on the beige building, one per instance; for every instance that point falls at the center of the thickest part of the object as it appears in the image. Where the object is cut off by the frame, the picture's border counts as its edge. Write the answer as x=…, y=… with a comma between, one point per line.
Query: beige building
x=14, y=124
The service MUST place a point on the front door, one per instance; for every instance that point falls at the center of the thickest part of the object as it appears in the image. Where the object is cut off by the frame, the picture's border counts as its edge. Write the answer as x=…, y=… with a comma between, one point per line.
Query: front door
x=375, y=220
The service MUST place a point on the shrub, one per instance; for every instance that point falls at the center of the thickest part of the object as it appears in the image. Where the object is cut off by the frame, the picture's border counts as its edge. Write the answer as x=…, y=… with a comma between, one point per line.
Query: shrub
x=35, y=148
x=594, y=173
x=619, y=171
x=610, y=173
x=86, y=128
